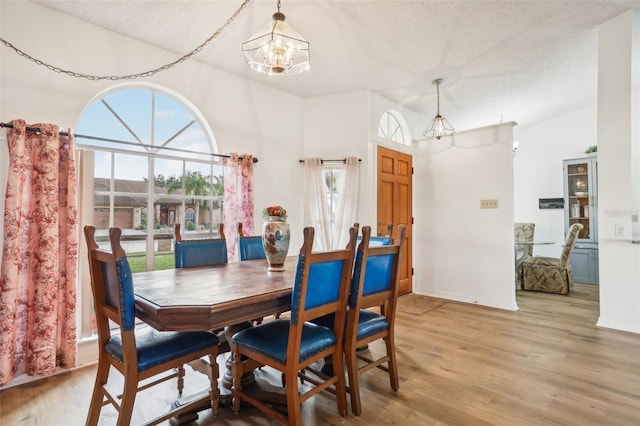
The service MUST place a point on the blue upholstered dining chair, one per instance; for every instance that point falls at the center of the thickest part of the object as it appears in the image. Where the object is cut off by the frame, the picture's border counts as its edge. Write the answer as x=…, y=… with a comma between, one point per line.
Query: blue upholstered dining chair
x=289, y=345
x=382, y=240
x=199, y=252
x=137, y=351
x=374, y=284
x=249, y=246
x=202, y=252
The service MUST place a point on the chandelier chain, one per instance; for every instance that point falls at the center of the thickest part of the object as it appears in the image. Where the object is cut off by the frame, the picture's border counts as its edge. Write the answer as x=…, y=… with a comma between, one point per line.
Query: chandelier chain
x=130, y=76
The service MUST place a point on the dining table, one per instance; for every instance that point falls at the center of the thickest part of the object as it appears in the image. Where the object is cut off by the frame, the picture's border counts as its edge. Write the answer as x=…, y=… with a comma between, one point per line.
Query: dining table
x=220, y=297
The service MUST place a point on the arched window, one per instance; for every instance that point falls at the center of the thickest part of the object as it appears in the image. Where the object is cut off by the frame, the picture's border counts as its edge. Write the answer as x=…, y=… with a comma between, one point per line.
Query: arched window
x=392, y=127
x=190, y=215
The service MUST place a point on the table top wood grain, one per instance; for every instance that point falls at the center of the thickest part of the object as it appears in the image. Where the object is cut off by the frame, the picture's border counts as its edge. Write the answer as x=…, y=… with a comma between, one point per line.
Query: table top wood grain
x=209, y=298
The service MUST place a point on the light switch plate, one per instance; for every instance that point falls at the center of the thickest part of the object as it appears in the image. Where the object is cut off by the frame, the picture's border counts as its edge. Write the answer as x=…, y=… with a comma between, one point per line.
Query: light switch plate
x=489, y=204
x=619, y=230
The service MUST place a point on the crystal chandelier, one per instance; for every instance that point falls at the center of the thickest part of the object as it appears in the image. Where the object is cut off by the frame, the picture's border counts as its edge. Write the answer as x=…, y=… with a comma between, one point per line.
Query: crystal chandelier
x=277, y=49
x=439, y=125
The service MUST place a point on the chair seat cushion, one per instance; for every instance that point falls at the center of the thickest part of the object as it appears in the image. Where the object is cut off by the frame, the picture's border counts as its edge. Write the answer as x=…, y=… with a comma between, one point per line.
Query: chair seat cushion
x=368, y=323
x=547, y=275
x=158, y=347
x=271, y=338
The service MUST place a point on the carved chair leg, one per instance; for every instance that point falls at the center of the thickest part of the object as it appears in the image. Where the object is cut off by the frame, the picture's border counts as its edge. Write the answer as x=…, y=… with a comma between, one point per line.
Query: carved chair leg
x=180, y=379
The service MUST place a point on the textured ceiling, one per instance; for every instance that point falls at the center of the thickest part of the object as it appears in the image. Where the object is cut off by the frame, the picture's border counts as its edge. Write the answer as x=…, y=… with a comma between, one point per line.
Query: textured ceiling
x=500, y=60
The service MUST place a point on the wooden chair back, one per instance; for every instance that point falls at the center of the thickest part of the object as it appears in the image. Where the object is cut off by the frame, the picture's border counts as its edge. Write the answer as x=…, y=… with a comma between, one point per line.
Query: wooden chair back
x=375, y=279
x=112, y=287
x=249, y=246
x=178, y=233
x=380, y=240
x=321, y=284
x=200, y=252
x=374, y=284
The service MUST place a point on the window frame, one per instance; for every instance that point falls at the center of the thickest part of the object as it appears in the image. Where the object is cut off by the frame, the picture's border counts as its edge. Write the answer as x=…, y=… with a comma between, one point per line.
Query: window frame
x=400, y=127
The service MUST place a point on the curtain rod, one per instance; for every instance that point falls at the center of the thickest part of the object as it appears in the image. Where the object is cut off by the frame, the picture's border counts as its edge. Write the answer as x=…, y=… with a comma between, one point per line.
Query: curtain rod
x=96, y=138
x=343, y=160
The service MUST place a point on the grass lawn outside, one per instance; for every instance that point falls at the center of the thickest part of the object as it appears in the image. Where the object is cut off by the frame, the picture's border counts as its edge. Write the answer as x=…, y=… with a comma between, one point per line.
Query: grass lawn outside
x=162, y=260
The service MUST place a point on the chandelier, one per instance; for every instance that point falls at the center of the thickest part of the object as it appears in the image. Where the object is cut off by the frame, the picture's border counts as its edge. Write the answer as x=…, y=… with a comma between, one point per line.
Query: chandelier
x=439, y=125
x=277, y=49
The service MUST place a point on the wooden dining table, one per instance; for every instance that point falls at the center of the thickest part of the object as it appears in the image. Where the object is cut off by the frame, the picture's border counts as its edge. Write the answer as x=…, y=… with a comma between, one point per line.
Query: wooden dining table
x=214, y=298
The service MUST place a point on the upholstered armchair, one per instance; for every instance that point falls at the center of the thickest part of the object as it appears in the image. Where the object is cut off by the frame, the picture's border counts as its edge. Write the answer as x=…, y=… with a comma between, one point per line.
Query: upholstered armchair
x=523, y=245
x=549, y=274
x=523, y=232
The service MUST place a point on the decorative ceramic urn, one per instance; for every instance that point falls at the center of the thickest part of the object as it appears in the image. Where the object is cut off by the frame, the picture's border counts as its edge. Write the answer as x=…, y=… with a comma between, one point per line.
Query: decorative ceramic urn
x=275, y=240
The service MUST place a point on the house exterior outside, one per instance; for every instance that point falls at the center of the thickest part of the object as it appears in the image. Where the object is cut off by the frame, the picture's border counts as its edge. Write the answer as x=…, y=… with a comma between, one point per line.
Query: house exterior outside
x=130, y=207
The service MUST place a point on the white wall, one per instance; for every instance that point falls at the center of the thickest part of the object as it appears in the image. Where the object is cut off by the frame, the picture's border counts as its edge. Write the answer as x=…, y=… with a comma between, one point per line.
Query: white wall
x=537, y=169
x=337, y=126
x=619, y=258
x=635, y=126
x=462, y=252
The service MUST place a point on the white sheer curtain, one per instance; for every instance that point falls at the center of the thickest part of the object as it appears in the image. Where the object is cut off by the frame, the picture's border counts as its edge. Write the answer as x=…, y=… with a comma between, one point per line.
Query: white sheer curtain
x=347, y=204
x=315, y=200
x=330, y=236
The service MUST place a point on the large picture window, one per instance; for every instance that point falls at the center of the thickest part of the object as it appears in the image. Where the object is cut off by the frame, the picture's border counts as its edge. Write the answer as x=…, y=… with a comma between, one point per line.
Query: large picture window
x=149, y=165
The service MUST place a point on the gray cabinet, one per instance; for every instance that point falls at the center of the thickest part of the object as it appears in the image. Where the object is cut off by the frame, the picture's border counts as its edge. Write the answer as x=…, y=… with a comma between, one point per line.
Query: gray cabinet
x=580, y=206
x=584, y=262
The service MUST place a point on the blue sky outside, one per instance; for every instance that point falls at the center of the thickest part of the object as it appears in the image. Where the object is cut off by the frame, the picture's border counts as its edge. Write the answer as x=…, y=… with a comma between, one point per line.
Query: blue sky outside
x=134, y=106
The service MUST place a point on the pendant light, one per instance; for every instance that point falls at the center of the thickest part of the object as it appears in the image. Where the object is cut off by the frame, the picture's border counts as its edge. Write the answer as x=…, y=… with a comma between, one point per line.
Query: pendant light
x=277, y=49
x=439, y=125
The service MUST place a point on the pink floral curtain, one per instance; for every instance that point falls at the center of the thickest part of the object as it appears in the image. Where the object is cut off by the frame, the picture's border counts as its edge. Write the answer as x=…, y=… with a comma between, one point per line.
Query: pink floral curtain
x=238, y=199
x=40, y=254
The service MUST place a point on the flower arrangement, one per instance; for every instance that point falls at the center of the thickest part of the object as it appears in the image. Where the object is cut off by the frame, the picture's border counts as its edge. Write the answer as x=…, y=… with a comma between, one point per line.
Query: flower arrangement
x=278, y=211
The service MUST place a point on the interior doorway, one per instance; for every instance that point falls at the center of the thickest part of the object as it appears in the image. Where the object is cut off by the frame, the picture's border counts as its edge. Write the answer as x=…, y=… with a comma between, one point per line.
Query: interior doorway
x=395, y=205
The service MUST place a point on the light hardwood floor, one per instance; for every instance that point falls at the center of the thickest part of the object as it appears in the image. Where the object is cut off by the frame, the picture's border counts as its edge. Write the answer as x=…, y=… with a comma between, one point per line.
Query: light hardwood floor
x=460, y=364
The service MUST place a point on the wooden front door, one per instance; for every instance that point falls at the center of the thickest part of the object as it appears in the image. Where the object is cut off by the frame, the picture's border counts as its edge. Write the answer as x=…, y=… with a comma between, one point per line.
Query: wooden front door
x=395, y=171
